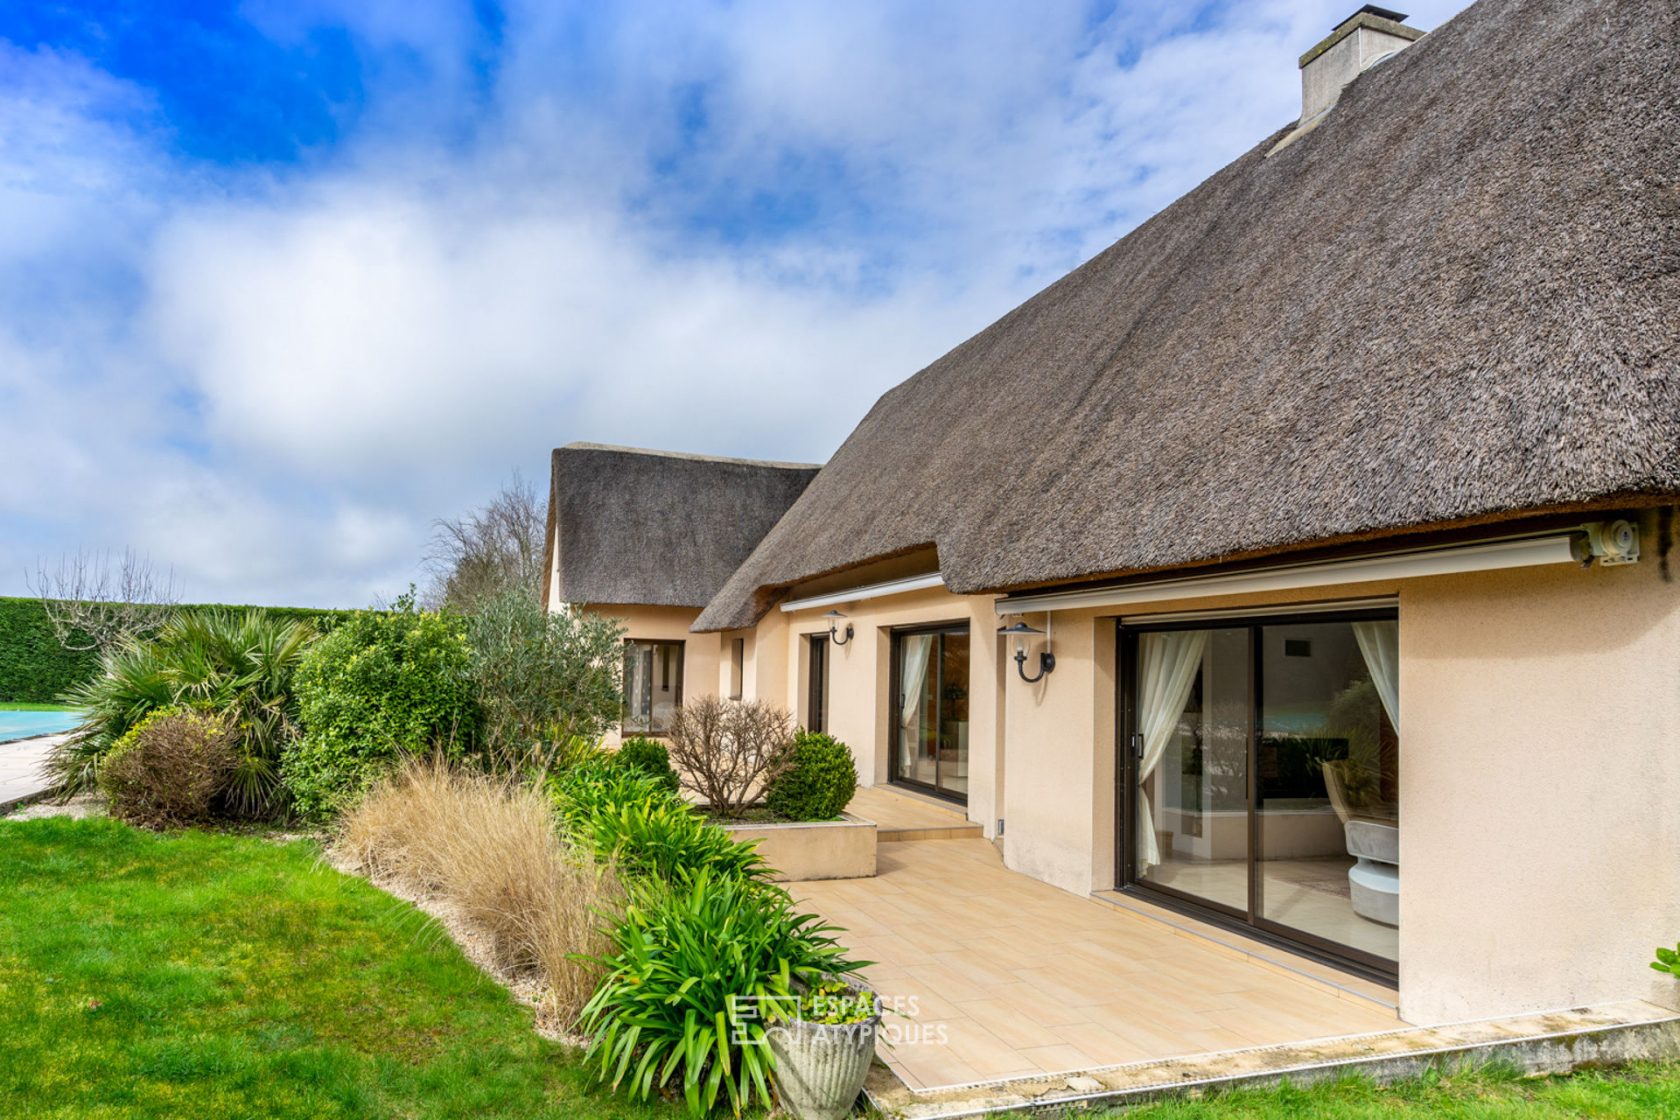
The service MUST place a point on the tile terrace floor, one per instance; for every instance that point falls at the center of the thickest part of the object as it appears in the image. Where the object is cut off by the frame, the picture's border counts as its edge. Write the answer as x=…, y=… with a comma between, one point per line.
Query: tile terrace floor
x=1011, y=977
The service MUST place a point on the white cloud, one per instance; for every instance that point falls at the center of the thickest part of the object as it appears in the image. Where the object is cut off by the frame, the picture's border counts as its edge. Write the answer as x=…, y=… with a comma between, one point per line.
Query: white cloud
x=273, y=382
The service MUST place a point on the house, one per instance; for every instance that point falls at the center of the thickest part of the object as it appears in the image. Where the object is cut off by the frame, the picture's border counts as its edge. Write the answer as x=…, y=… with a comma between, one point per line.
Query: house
x=1379, y=425
x=648, y=537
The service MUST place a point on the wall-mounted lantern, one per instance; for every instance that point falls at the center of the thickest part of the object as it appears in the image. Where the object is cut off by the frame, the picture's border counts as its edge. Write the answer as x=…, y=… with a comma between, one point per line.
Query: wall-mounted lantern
x=1046, y=659
x=834, y=618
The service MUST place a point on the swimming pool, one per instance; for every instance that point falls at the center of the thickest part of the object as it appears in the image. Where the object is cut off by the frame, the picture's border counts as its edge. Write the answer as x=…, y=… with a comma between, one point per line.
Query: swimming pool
x=24, y=725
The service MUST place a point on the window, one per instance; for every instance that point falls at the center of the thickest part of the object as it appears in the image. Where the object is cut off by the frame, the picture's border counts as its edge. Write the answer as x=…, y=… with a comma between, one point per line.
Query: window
x=816, y=697
x=652, y=685
x=737, y=668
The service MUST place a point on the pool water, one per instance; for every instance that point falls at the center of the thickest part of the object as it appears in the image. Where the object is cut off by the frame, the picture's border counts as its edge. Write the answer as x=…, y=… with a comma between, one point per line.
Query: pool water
x=24, y=725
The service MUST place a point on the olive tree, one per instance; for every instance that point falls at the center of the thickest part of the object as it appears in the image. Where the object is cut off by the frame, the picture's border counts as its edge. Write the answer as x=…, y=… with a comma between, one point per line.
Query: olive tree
x=548, y=682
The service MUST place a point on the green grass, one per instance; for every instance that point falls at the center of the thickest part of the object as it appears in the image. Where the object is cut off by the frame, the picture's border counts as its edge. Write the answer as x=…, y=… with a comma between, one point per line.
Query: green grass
x=11, y=706
x=1637, y=1093
x=202, y=974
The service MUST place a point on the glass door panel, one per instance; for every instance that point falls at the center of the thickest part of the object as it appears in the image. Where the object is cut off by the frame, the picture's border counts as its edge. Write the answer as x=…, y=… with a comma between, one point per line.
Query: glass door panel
x=930, y=729
x=918, y=728
x=1192, y=764
x=953, y=714
x=1326, y=788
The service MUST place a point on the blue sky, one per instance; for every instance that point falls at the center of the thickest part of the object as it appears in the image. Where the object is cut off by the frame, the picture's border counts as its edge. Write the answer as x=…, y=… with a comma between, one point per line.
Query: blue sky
x=281, y=282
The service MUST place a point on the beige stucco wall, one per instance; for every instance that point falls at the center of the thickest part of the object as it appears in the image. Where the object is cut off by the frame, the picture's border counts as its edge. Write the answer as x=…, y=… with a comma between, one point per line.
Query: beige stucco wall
x=1540, y=788
x=704, y=655
x=859, y=683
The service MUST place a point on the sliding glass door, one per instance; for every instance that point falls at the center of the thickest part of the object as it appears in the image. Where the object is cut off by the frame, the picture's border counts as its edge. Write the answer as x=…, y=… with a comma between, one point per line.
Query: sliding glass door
x=1191, y=812
x=930, y=709
x=1262, y=768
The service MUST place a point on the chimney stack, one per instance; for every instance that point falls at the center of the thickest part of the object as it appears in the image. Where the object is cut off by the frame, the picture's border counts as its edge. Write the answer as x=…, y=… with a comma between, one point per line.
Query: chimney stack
x=1359, y=42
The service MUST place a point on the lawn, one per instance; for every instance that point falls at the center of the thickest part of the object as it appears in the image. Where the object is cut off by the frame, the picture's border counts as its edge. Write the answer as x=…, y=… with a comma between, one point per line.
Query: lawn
x=1637, y=1093
x=203, y=974
x=13, y=706
x=207, y=974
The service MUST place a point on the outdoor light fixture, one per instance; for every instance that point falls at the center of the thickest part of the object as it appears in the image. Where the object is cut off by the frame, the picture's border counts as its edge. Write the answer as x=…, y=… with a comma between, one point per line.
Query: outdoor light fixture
x=834, y=618
x=1046, y=660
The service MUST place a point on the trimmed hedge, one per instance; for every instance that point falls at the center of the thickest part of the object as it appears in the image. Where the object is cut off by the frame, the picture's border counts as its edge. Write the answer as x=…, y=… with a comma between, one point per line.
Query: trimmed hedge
x=35, y=669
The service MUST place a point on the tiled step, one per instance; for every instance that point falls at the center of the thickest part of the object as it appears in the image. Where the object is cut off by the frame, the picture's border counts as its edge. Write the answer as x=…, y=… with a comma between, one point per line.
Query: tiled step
x=902, y=815
x=968, y=831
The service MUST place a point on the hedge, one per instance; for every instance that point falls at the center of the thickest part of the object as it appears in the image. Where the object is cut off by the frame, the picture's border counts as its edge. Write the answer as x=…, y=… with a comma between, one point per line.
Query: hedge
x=35, y=669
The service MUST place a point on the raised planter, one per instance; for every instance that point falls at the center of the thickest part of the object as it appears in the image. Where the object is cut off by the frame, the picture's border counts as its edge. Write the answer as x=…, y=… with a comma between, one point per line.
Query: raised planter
x=804, y=850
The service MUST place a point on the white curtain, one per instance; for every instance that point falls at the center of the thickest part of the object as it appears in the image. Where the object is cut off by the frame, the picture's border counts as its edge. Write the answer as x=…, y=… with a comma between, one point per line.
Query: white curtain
x=913, y=664
x=1168, y=664
x=1379, y=644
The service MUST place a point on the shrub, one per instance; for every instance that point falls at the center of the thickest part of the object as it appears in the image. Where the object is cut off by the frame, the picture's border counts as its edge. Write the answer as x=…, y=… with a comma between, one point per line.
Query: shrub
x=239, y=665
x=1668, y=960
x=727, y=751
x=169, y=768
x=683, y=957
x=490, y=849
x=548, y=682
x=648, y=756
x=644, y=829
x=377, y=690
x=819, y=783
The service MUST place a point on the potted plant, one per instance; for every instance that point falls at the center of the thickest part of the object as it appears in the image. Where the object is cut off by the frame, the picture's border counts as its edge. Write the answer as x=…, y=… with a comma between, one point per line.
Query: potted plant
x=824, y=1043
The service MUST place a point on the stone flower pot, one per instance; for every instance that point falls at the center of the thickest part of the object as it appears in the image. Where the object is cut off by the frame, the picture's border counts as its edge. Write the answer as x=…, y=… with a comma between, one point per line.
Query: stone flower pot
x=821, y=1067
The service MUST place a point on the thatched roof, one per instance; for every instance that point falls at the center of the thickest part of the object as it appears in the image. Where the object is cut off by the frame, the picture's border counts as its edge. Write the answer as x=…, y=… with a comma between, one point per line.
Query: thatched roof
x=1458, y=298
x=659, y=528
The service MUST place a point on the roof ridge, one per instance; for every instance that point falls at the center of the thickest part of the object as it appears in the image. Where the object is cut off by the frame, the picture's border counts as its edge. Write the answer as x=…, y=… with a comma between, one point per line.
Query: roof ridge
x=585, y=445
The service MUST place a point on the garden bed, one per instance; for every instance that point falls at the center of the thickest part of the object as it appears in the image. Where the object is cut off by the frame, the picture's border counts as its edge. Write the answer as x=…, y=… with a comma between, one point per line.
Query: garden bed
x=801, y=851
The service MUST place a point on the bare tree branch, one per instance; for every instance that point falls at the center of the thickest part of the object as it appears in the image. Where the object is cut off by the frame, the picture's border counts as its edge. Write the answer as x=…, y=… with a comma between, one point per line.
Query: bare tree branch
x=727, y=751
x=499, y=546
x=96, y=599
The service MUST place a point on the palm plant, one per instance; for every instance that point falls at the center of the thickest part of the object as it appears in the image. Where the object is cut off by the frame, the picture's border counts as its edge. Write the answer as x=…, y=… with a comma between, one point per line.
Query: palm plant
x=236, y=663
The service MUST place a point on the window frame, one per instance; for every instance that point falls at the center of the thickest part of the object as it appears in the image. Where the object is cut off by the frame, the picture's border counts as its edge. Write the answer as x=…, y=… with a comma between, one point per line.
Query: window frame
x=818, y=647
x=626, y=727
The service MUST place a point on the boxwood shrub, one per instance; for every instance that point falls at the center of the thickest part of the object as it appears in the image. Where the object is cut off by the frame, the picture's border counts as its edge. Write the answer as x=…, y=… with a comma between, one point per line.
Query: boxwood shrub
x=820, y=782
x=650, y=757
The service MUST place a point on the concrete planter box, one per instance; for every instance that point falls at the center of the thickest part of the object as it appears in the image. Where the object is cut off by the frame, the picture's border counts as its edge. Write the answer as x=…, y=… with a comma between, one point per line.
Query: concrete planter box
x=802, y=850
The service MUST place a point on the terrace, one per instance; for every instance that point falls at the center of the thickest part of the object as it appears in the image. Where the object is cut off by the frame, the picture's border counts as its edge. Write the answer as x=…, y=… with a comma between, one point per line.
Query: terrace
x=1002, y=988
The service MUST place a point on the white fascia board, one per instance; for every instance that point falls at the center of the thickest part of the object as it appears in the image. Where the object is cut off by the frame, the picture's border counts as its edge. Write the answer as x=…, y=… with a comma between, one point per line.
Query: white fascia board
x=1528, y=552
x=868, y=591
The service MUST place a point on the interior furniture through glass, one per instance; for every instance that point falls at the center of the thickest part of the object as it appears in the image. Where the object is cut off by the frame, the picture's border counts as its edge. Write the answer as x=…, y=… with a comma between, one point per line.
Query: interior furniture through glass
x=1263, y=760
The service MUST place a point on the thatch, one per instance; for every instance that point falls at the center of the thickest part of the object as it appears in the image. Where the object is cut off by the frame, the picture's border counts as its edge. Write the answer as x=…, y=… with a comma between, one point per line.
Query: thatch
x=658, y=528
x=1458, y=298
